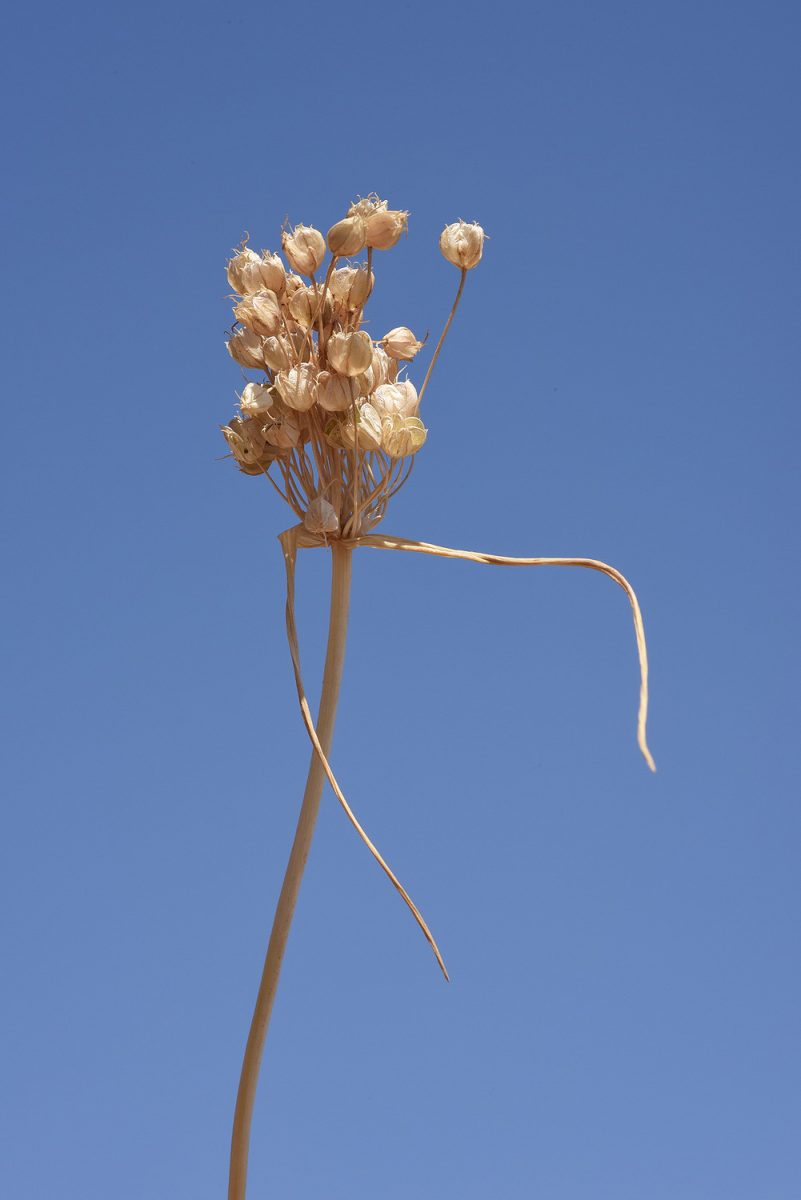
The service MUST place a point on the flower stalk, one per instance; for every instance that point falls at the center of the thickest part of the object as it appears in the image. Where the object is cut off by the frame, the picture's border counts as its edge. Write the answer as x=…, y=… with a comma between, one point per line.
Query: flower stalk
x=341, y=570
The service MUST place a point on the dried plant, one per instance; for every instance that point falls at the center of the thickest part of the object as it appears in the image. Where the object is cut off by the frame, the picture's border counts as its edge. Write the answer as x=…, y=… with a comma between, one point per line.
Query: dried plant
x=333, y=423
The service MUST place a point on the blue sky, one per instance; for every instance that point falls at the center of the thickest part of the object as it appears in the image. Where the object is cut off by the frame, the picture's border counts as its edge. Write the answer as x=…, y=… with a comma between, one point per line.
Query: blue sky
x=621, y=382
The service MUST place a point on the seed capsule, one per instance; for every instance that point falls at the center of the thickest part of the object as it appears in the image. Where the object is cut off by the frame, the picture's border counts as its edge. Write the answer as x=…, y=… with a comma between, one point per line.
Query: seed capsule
x=273, y=272
x=256, y=400
x=402, y=436
x=244, y=346
x=401, y=343
x=364, y=431
x=247, y=272
x=283, y=430
x=305, y=248
x=298, y=386
x=336, y=393
x=320, y=517
x=350, y=353
x=384, y=228
x=276, y=354
x=462, y=244
x=347, y=237
x=261, y=312
x=351, y=286
x=396, y=399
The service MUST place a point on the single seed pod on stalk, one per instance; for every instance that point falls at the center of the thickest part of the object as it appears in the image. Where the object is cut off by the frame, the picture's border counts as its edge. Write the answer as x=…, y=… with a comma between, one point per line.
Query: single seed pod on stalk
x=335, y=433
x=350, y=353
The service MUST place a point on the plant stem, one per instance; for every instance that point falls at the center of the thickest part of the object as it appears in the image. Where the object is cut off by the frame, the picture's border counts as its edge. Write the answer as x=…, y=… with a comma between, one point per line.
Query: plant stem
x=332, y=675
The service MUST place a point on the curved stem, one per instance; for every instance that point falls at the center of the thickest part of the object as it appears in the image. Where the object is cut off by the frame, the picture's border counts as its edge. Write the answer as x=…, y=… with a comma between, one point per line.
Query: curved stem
x=444, y=333
x=332, y=675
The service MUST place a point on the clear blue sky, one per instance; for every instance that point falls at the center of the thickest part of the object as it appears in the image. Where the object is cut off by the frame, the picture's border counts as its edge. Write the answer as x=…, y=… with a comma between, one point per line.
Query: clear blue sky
x=622, y=382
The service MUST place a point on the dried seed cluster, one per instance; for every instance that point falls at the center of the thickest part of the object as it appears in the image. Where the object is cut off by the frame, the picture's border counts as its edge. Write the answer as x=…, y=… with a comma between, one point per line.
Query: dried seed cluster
x=331, y=421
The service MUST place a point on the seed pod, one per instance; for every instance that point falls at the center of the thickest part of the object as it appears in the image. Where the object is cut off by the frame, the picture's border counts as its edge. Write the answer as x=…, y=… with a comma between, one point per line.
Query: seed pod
x=320, y=517
x=246, y=272
x=384, y=228
x=276, y=353
x=292, y=284
x=351, y=286
x=256, y=400
x=396, y=399
x=283, y=430
x=245, y=439
x=366, y=382
x=261, y=312
x=401, y=344
x=305, y=305
x=336, y=393
x=383, y=368
x=273, y=272
x=244, y=346
x=350, y=353
x=462, y=244
x=305, y=248
x=364, y=432
x=402, y=436
x=298, y=386
x=347, y=237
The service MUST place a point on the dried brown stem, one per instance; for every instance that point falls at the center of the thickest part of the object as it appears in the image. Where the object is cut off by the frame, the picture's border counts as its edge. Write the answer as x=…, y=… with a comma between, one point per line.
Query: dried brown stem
x=444, y=333
x=337, y=631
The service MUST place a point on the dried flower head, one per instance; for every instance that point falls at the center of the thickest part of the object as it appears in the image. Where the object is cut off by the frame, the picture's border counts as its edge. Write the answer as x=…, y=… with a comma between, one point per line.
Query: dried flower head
x=260, y=311
x=396, y=399
x=304, y=248
x=401, y=343
x=462, y=244
x=298, y=386
x=347, y=237
x=350, y=353
x=351, y=286
x=385, y=227
x=256, y=400
x=244, y=346
x=328, y=417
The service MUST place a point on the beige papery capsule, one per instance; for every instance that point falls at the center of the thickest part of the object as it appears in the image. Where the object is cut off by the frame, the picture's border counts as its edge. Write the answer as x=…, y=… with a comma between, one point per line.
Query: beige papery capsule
x=276, y=353
x=351, y=286
x=347, y=237
x=246, y=273
x=401, y=343
x=320, y=517
x=292, y=284
x=273, y=272
x=298, y=386
x=401, y=436
x=283, y=430
x=384, y=228
x=336, y=393
x=261, y=312
x=305, y=304
x=305, y=248
x=256, y=400
x=245, y=439
x=462, y=244
x=244, y=346
x=383, y=368
x=367, y=423
x=350, y=353
x=396, y=399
